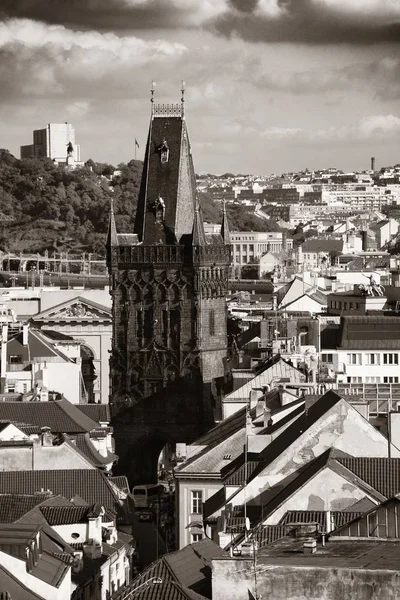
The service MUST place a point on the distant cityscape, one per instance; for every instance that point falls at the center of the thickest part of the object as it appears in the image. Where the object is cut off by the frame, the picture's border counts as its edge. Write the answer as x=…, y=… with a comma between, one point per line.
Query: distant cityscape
x=209, y=408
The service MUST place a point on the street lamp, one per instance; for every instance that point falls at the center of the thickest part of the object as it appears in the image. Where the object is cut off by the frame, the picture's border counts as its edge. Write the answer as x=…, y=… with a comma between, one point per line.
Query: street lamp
x=152, y=580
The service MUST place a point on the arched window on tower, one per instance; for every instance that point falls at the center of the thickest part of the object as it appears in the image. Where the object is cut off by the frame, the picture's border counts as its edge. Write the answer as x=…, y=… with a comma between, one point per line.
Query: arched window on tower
x=211, y=327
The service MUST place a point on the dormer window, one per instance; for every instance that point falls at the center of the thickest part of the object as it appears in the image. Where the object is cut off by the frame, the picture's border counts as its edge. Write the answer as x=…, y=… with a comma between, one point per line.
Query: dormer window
x=164, y=152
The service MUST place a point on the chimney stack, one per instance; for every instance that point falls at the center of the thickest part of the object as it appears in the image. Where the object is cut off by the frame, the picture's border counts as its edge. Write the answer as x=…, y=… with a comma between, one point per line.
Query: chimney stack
x=372, y=163
x=25, y=334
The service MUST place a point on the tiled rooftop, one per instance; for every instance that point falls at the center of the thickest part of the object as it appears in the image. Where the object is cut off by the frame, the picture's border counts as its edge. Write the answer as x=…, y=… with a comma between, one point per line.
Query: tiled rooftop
x=14, y=506
x=100, y=413
x=383, y=474
x=69, y=515
x=90, y=484
x=60, y=415
x=186, y=574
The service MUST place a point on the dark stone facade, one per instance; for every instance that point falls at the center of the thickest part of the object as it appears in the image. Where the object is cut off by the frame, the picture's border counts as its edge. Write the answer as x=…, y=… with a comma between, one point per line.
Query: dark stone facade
x=169, y=286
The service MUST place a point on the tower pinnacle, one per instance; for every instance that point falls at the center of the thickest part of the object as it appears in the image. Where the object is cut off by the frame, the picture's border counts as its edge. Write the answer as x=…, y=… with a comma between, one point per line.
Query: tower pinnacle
x=225, y=233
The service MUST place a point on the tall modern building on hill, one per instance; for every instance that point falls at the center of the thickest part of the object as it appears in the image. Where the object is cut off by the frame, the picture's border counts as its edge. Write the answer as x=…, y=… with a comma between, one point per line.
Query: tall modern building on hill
x=53, y=142
x=169, y=283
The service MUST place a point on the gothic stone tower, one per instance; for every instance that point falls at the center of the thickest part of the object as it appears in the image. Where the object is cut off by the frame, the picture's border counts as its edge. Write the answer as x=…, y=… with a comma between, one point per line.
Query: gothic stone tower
x=169, y=285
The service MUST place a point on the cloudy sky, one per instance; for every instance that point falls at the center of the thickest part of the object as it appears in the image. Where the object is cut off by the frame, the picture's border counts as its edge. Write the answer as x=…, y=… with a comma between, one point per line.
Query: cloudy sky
x=272, y=85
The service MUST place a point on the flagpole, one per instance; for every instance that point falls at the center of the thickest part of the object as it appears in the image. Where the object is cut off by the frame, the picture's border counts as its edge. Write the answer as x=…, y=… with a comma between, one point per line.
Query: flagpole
x=135, y=148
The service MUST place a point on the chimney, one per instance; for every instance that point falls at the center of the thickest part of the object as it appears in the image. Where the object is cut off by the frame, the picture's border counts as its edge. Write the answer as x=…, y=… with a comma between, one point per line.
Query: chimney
x=372, y=163
x=25, y=334
x=260, y=407
x=46, y=437
x=267, y=417
x=310, y=546
x=393, y=431
x=253, y=399
x=364, y=238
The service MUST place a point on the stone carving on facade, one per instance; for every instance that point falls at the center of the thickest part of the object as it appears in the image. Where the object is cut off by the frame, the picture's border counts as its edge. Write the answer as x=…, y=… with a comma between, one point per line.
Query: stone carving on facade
x=79, y=310
x=157, y=207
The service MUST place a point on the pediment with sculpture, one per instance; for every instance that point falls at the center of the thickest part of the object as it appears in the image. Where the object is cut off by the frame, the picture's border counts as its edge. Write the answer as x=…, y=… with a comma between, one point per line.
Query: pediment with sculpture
x=77, y=309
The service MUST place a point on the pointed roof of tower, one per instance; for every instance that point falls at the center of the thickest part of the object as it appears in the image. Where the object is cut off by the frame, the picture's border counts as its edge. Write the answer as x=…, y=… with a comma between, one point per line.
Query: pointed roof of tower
x=199, y=237
x=167, y=197
x=112, y=236
x=225, y=233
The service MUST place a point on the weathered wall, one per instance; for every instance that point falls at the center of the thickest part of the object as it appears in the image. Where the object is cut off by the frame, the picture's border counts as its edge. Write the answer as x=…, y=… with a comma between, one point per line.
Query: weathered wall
x=326, y=491
x=16, y=458
x=341, y=427
x=231, y=580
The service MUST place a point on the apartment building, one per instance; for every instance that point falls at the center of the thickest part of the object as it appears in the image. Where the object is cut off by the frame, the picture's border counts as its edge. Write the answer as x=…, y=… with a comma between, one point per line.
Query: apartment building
x=366, y=350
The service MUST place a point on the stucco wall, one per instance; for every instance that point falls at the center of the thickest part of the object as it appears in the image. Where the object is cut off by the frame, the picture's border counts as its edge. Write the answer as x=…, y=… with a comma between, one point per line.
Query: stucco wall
x=48, y=592
x=58, y=457
x=326, y=491
x=16, y=458
x=341, y=427
x=231, y=580
x=183, y=499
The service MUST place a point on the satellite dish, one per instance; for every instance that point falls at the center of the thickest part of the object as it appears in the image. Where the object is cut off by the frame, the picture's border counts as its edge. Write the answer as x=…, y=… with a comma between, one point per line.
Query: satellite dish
x=247, y=524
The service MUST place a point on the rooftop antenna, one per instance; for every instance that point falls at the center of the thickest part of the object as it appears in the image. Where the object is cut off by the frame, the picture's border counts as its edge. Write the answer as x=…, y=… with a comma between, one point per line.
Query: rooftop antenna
x=183, y=98
x=153, y=85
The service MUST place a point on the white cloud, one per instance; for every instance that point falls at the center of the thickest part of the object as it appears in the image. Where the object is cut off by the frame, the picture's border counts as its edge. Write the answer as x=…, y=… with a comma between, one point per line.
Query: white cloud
x=368, y=128
x=35, y=35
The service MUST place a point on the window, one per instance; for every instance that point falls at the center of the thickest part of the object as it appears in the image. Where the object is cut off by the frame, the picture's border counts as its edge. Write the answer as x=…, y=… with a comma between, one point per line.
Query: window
x=373, y=359
x=328, y=358
x=197, y=502
x=354, y=359
x=15, y=359
x=390, y=380
x=197, y=537
x=212, y=322
x=390, y=359
x=372, y=380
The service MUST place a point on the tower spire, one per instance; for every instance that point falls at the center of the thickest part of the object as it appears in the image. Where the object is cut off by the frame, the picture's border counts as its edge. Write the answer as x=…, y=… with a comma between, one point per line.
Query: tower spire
x=183, y=98
x=112, y=236
x=199, y=238
x=153, y=85
x=225, y=233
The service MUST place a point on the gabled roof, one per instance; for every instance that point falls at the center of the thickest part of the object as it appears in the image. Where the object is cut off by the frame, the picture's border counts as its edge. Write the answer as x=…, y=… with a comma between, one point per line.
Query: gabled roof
x=37, y=347
x=89, y=484
x=14, y=506
x=60, y=415
x=91, y=309
x=85, y=446
x=383, y=474
x=275, y=368
x=186, y=574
